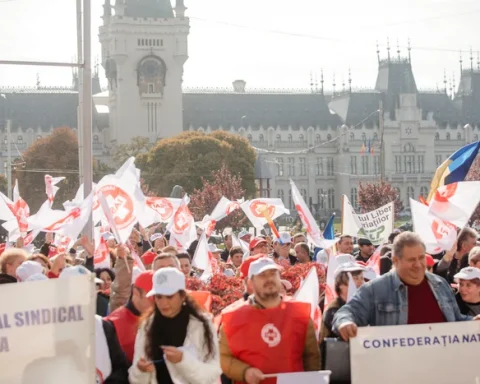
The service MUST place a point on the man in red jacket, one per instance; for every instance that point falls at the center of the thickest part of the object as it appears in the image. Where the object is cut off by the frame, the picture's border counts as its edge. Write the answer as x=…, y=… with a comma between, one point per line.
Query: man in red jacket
x=125, y=319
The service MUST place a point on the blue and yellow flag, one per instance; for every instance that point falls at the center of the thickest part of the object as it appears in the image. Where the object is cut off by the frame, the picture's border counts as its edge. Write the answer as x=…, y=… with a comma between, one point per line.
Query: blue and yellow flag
x=455, y=168
x=362, y=150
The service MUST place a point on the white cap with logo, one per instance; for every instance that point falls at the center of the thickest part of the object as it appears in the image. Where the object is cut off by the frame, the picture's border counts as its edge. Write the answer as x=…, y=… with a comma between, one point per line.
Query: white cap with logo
x=261, y=265
x=167, y=281
x=348, y=267
x=27, y=269
x=468, y=273
x=213, y=248
x=285, y=238
x=78, y=270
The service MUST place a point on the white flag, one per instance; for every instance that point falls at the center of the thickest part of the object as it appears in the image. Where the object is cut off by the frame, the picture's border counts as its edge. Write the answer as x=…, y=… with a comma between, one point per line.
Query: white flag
x=182, y=225
x=311, y=226
x=158, y=210
x=309, y=293
x=102, y=253
x=201, y=258
x=50, y=187
x=437, y=235
x=255, y=210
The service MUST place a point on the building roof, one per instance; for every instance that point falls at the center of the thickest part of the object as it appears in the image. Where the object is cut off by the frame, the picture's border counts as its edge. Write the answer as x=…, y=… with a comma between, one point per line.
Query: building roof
x=255, y=110
x=149, y=8
x=442, y=107
x=357, y=107
x=467, y=99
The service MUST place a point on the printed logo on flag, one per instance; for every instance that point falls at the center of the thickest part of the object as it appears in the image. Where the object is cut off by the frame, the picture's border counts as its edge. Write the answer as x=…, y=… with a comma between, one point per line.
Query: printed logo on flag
x=445, y=193
x=258, y=208
x=232, y=206
x=271, y=335
x=306, y=223
x=162, y=206
x=181, y=219
x=74, y=214
x=442, y=229
x=120, y=204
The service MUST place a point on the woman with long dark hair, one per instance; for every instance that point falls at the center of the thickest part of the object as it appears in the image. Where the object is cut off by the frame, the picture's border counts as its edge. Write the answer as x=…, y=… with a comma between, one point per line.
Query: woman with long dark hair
x=176, y=343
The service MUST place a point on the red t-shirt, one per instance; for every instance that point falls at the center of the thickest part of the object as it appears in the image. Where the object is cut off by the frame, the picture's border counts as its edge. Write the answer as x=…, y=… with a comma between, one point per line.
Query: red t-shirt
x=423, y=307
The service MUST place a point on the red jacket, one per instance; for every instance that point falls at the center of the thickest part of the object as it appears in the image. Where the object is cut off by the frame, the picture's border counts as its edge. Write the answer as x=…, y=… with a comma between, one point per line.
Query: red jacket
x=126, y=325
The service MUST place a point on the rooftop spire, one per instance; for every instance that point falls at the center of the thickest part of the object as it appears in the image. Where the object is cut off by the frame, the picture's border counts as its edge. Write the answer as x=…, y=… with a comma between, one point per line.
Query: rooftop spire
x=311, y=82
x=388, y=49
x=316, y=83
x=180, y=9
x=471, y=59
x=461, y=62
x=334, y=84
x=349, y=80
x=478, y=60
x=409, y=52
x=445, y=81
x=107, y=9
x=321, y=80
x=378, y=53
x=398, y=50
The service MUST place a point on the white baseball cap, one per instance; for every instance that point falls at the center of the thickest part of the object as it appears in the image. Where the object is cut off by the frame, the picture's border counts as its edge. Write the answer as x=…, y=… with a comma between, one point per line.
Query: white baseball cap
x=78, y=270
x=348, y=267
x=167, y=281
x=213, y=248
x=27, y=269
x=108, y=236
x=468, y=273
x=155, y=236
x=285, y=237
x=345, y=258
x=37, y=277
x=261, y=265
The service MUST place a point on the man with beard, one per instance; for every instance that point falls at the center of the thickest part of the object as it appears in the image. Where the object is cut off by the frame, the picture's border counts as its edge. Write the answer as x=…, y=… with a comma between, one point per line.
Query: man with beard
x=268, y=335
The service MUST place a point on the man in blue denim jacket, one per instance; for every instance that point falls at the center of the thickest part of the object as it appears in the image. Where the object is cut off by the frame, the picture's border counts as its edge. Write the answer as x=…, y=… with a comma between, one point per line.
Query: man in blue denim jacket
x=405, y=295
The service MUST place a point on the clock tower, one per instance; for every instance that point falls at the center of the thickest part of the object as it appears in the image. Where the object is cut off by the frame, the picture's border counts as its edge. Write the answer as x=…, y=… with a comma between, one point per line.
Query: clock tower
x=144, y=48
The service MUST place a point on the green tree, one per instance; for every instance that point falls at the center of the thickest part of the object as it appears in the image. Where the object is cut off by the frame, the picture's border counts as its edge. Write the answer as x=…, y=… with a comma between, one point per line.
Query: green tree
x=137, y=146
x=186, y=158
x=55, y=155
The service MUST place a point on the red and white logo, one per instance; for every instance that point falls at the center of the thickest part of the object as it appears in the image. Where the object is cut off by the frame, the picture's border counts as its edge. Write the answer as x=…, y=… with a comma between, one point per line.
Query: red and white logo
x=162, y=206
x=74, y=214
x=120, y=204
x=181, y=221
x=258, y=208
x=443, y=229
x=232, y=206
x=210, y=227
x=271, y=335
x=102, y=252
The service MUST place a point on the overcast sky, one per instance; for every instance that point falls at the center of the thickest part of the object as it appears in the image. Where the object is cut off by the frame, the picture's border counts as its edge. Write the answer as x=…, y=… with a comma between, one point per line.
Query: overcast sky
x=268, y=43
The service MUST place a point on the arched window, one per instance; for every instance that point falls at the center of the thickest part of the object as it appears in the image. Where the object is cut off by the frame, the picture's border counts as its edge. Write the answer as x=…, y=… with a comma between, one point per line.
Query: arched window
x=399, y=195
x=290, y=137
x=475, y=137
x=352, y=136
x=321, y=198
x=290, y=201
x=19, y=139
x=424, y=192
x=304, y=195
x=437, y=136
x=329, y=137
x=249, y=137
x=300, y=137
x=353, y=197
x=95, y=139
x=318, y=139
x=364, y=136
x=447, y=136
x=278, y=137
x=281, y=195
x=260, y=137
x=331, y=198
x=410, y=194
x=375, y=136
x=459, y=136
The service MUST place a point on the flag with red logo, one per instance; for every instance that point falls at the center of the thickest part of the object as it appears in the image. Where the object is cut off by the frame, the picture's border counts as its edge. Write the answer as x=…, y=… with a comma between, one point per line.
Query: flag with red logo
x=50, y=187
x=438, y=235
x=311, y=226
x=456, y=202
x=202, y=259
x=254, y=209
x=309, y=293
x=19, y=209
x=62, y=243
x=223, y=208
x=158, y=210
x=123, y=198
x=101, y=258
x=182, y=226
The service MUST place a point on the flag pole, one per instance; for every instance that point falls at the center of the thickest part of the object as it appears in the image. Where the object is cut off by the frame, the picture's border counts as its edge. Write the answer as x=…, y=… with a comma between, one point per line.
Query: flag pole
x=343, y=206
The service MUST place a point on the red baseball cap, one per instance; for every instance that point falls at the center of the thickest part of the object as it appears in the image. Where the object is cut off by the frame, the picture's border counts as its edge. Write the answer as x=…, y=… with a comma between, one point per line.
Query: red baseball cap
x=430, y=260
x=245, y=266
x=256, y=242
x=148, y=257
x=145, y=281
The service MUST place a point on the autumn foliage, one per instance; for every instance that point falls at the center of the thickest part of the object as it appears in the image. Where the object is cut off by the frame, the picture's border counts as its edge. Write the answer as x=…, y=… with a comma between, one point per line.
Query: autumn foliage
x=221, y=183
x=186, y=158
x=374, y=195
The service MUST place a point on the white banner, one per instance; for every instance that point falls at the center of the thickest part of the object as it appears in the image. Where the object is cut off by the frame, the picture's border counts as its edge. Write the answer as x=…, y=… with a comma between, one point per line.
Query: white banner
x=414, y=354
x=375, y=225
x=47, y=330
